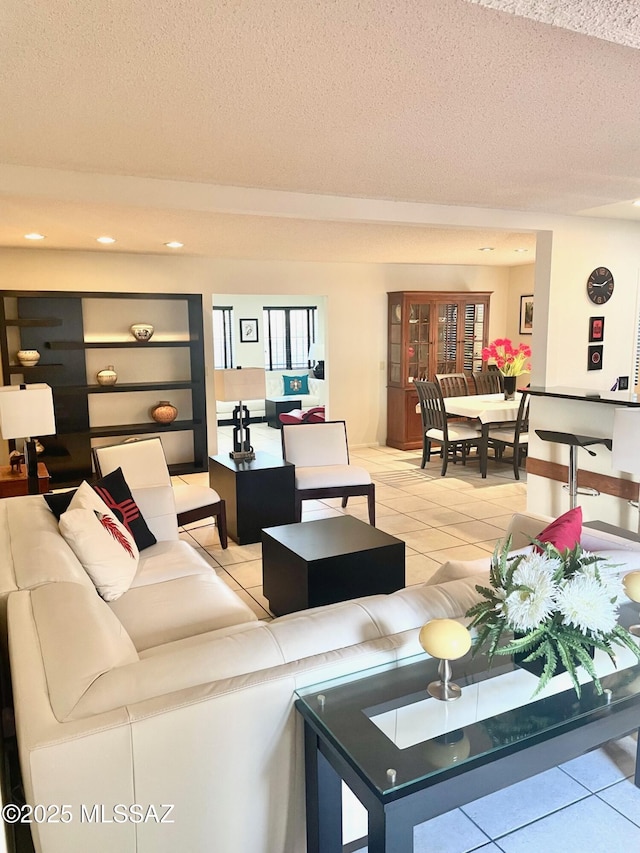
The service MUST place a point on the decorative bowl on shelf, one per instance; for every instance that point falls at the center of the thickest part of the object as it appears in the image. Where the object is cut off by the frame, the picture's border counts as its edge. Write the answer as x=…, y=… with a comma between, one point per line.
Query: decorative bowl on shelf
x=107, y=376
x=142, y=331
x=164, y=413
x=28, y=357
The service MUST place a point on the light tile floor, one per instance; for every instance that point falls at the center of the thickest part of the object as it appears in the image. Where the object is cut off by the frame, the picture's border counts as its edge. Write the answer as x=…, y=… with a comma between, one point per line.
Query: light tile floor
x=586, y=804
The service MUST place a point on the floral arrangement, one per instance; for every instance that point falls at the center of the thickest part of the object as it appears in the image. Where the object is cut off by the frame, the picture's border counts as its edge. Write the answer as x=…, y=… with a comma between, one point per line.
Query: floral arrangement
x=559, y=605
x=509, y=361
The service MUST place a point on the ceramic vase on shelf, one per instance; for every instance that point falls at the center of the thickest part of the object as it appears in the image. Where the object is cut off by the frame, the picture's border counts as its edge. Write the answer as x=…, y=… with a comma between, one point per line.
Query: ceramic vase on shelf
x=28, y=357
x=142, y=331
x=107, y=376
x=510, y=387
x=164, y=413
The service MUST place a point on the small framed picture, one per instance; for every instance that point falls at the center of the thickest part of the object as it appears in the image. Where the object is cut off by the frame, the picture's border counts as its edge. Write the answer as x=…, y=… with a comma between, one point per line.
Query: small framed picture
x=526, y=315
x=248, y=331
x=595, y=357
x=596, y=329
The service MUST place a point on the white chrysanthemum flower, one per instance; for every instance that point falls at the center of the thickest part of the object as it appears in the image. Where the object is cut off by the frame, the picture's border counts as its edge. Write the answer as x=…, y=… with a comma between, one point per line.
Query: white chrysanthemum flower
x=608, y=575
x=587, y=604
x=527, y=608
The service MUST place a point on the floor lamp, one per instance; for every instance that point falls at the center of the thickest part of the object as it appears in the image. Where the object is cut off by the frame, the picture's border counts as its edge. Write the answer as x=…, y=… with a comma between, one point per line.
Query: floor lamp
x=26, y=411
x=625, y=454
x=240, y=384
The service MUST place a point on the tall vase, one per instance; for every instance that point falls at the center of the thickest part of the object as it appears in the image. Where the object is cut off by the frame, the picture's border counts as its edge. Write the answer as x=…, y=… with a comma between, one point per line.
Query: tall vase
x=510, y=387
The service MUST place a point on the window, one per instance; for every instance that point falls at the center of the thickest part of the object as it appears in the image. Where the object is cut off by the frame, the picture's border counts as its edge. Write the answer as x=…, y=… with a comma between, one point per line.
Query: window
x=222, y=337
x=289, y=332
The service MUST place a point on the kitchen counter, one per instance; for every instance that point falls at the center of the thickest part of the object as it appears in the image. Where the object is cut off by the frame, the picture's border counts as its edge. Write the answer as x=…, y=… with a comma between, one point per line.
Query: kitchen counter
x=617, y=398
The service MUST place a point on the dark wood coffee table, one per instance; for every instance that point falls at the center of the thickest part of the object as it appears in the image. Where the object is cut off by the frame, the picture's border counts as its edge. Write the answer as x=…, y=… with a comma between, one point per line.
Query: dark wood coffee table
x=333, y=559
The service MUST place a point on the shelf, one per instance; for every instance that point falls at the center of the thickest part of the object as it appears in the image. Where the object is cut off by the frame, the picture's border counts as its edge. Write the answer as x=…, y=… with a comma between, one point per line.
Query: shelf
x=132, y=429
x=35, y=321
x=23, y=368
x=69, y=345
x=124, y=387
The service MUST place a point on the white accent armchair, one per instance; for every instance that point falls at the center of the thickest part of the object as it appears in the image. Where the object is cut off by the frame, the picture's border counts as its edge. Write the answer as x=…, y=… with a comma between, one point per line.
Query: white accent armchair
x=321, y=456
x=144, y=464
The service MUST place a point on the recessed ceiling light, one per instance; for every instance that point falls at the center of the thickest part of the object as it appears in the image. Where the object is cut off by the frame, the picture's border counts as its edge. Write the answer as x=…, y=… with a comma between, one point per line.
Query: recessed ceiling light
x=34, y=236
x=173, y=244
x=636, y=203
x=106, y=239
x=486, y=249
x=520, y=250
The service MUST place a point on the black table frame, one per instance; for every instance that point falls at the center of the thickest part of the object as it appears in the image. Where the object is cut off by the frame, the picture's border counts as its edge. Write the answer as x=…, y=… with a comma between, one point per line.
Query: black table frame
x=393, y=815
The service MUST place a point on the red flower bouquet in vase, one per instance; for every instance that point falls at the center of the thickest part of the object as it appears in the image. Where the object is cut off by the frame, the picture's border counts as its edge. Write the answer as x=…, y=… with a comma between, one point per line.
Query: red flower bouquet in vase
x=511, y=362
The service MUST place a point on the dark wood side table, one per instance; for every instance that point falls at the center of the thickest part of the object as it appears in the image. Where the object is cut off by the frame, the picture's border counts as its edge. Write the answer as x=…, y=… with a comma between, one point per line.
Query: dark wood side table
x=276, y=406
x=13, y=484
x=258, y=493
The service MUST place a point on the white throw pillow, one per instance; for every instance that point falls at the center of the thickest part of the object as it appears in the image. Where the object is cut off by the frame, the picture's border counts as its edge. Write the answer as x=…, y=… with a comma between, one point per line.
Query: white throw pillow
x=104, y=547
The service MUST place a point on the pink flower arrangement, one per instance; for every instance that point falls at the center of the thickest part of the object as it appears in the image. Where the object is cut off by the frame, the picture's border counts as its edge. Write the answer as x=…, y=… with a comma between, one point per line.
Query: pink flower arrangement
x=509, y=361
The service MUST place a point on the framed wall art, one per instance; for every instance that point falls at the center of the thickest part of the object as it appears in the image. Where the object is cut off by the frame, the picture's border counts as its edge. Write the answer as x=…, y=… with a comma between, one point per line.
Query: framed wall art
x=596, y=329
x=248, y=331
x=526, y=315
x=595, y=357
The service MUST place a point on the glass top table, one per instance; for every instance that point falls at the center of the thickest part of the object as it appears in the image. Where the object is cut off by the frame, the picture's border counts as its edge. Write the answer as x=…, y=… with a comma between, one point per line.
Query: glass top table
x=409, y=757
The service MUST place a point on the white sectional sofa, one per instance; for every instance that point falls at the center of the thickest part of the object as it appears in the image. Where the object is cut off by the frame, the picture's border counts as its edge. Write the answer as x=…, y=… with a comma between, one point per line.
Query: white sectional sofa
x=275, y=390
x=174, y=695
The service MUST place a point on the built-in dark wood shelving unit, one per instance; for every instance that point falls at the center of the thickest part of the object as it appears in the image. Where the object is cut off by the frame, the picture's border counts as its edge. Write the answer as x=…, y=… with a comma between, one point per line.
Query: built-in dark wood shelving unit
x=54, y=323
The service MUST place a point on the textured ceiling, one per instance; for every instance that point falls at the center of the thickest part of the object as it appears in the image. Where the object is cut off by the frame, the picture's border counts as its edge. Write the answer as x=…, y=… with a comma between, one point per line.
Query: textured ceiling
x=445, y=102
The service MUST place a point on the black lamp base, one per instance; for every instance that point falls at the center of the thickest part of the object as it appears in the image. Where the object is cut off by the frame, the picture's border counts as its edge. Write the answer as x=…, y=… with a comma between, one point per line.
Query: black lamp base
x=31, y=460
x=242, y=448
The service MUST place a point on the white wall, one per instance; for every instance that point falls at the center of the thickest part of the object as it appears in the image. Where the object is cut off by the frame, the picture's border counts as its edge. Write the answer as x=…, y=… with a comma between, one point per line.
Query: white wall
x=521, y=283
x=356, y=305
x=250, y=306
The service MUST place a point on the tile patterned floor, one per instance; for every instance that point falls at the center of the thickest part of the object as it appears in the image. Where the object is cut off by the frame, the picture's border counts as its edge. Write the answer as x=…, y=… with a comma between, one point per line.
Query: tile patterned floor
x=590, y=803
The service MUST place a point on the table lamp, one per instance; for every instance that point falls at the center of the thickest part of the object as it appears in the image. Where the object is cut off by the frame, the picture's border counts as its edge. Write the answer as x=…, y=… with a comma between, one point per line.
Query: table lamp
x=240, y=384
x=316, y=353
x=625, y=453
x=631, y=583
x=448, y=640
x=26, y=411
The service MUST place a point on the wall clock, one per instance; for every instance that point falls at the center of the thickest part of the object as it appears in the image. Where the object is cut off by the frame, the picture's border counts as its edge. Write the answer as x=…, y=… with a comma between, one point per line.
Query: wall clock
x=600, y=286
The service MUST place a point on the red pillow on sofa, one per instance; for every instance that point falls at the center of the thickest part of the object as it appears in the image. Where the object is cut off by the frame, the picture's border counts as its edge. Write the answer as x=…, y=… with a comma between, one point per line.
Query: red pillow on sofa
x=565, y=531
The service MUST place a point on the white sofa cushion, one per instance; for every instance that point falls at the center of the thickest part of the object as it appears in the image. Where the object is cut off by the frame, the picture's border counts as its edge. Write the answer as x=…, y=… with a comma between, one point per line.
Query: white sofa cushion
x=80, y=639
x=194, y=497
x=158, y=613
x=103, y=545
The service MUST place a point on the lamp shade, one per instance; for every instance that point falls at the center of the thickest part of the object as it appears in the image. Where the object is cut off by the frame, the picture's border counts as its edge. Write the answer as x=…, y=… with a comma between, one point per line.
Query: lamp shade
x=625, y=451
x=445, y=638
x=26, y=411
x=240, y=383
x=316, y=352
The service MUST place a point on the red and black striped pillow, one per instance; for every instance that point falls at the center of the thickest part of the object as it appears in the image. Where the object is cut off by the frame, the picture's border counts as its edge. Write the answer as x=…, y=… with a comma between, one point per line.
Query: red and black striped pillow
x=116, y=494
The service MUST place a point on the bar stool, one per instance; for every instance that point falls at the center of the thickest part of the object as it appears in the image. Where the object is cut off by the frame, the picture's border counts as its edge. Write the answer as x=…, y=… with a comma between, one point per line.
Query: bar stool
x=574, y=442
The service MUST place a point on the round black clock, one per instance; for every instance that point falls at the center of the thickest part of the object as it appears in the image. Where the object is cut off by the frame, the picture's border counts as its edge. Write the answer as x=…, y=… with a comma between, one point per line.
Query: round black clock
x=600, y=286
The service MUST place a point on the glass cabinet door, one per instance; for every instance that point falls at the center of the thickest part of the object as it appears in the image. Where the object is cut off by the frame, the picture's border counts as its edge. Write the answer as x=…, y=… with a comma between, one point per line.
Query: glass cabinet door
x=474, y=325
x=418, y=341
x=395, y=343
x=447, y=338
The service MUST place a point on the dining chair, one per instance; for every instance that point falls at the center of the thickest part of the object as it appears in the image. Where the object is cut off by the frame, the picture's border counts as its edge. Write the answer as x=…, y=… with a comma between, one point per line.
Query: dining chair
x=487, y=381
x=453, y=384
x=515, y=435
x=320, y=453
x=451, y=437
x=144, y=464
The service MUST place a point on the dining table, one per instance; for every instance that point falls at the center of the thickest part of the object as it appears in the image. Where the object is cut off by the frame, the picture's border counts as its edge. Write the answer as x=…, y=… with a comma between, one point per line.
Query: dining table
x=488, y=409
